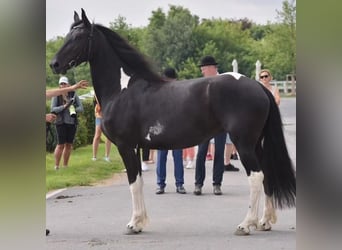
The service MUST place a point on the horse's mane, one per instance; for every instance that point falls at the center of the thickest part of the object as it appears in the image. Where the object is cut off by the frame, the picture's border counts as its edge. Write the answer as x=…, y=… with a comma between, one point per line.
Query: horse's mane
x=134, y=63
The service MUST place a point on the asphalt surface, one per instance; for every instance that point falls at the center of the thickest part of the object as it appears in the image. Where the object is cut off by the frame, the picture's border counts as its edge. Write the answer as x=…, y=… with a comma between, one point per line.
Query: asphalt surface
x=82, y=218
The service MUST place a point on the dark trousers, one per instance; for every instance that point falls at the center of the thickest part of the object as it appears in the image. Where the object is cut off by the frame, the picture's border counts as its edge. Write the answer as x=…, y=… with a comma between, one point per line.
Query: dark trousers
x=178, y=164
x=145, y=154
x=218, y=168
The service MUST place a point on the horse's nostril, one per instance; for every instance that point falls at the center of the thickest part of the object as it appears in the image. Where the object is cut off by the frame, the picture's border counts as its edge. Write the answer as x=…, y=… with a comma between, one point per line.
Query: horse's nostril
x=55, y=65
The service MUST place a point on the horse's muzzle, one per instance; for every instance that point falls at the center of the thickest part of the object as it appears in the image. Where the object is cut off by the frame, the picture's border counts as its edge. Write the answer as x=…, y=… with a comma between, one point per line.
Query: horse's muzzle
x=56, y=68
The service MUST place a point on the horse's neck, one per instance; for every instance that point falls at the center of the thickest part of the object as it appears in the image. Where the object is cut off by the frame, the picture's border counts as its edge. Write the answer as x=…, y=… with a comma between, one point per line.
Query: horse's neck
x=105, y=74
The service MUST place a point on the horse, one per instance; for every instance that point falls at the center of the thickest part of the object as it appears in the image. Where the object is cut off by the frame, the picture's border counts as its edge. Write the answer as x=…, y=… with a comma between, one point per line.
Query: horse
x=150, y=113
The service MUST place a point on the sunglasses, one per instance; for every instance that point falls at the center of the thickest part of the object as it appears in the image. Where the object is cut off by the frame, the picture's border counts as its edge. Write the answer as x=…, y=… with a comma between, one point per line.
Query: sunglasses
x=63, y=83
x=264, y=76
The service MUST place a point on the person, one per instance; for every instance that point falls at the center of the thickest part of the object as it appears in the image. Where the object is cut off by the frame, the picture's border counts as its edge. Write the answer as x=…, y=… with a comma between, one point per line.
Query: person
x=145, y=159
x=189, y=156
x=228, y=154
x=265, y=77
x=234, y=155
x=228, y=151
x=98, y=132
x=210, y=152
x=66, y=107
x=55, y=92
x=208, y=67
x=170, y=74
x=151, y=156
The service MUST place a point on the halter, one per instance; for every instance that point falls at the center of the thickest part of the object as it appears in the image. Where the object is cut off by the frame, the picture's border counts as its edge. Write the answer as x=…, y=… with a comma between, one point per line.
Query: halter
x=90, y=41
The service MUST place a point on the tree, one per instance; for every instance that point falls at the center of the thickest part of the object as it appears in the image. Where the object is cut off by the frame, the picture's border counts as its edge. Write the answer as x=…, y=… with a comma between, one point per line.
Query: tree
x=132, y=35
x=279, y=45
x=226, y=40
x=169, y=37
x=288, y=18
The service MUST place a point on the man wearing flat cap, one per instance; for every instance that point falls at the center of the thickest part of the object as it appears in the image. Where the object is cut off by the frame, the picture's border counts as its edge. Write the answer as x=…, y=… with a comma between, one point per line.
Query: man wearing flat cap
x=208, y=67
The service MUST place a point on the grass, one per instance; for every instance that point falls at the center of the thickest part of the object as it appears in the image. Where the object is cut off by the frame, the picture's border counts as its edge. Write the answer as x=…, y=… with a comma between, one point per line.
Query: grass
x=82, y=171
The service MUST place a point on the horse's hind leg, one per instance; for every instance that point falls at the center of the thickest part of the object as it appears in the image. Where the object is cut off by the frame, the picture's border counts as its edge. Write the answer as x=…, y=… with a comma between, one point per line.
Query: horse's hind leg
x=132, y=164
x=269, y=213
x=255, y=178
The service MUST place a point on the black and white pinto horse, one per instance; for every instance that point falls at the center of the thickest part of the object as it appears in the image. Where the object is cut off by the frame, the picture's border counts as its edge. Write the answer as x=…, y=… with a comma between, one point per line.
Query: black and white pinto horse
x=149, y=113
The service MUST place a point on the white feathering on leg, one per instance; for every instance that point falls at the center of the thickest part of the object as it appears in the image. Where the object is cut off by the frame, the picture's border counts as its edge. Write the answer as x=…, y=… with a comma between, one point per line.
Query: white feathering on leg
x=255, y=183
x=139, y=216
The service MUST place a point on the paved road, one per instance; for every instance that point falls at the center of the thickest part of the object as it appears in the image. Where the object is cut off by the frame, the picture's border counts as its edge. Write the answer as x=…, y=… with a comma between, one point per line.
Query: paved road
x=95, y=217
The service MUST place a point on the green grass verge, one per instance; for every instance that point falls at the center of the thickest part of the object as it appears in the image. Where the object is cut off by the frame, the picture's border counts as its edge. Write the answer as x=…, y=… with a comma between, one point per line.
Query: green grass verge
x=82, y=171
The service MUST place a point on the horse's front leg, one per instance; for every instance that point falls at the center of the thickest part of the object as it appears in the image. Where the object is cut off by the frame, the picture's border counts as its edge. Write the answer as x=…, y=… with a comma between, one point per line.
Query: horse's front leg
x=269, y=215
x=133, y=167
x=255, y=183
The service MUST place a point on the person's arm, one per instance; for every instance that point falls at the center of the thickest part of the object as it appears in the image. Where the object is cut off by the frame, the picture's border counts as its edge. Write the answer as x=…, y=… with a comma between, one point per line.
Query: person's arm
x=56, y=109
x=56, y=92
x=277, y=96
x=78, y=104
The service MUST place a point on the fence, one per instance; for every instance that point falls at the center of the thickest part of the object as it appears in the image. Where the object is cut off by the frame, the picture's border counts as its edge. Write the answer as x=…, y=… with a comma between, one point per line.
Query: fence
x=284, y=86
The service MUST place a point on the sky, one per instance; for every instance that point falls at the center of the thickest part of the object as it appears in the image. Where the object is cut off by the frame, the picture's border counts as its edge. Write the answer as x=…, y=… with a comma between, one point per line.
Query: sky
x=59, y=13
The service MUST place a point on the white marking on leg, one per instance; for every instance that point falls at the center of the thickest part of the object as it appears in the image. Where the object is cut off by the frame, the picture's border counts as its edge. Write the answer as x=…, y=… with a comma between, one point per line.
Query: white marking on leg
x=269, y=215
x=139, y=216
x=255, y=183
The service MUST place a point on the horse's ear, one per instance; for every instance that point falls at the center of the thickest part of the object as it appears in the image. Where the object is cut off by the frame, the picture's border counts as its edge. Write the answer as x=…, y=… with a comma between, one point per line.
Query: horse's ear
x=76, y=17
x=85, y=18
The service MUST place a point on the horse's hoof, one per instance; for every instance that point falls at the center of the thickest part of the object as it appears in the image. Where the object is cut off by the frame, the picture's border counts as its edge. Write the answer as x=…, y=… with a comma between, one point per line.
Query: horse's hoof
x=241, y=232
x=263, y=228
x=131, y=231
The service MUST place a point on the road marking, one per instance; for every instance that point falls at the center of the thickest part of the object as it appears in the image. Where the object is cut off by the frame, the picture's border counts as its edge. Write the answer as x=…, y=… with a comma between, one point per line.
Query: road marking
x=48, y=195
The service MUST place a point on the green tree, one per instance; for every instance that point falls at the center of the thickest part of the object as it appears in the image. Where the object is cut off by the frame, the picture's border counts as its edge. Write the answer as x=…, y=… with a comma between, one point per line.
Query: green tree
x=226, y=40
x=169, y=37
x=52, y=46
x=288, y=18
x=132, y=35
x=278, y=48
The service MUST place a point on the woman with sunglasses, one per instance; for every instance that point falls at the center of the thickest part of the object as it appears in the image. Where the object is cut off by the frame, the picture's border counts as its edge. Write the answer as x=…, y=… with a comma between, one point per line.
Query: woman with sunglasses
x=265, y=78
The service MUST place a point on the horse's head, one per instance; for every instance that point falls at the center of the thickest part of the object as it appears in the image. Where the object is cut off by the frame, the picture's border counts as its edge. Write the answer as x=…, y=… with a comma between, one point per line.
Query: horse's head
x=76, y=47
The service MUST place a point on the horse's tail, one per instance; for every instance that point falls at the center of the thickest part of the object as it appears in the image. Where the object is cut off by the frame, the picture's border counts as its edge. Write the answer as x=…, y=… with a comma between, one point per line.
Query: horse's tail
x=279, y=175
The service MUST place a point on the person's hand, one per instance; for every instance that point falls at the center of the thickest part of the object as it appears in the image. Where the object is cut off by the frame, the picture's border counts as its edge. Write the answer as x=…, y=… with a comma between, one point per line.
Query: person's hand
x=50, y=117
x=69, y=103
x=83, y=84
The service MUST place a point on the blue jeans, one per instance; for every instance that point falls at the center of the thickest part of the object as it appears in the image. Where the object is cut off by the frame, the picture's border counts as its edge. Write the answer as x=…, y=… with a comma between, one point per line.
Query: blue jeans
x=218, y=168
x=161, y=167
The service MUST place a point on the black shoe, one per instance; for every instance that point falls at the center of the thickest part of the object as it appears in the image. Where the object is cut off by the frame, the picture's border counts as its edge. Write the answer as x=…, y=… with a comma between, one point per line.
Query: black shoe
x=181, y=190
x=198, y=190
x=230, y=167
x=47, y=232
x=217, y=190
x=234, y=157
x=160, y=190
